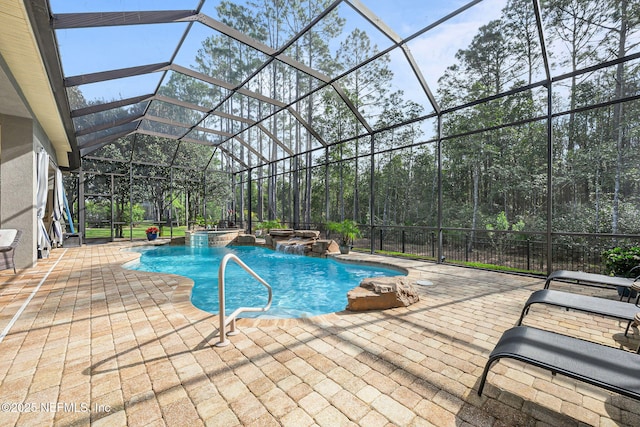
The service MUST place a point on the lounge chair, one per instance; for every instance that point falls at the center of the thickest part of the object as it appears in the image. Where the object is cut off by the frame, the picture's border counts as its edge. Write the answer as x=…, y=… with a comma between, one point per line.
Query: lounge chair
x=590, y=279
x=601, y=306
x=9, y=238
x=607, y=367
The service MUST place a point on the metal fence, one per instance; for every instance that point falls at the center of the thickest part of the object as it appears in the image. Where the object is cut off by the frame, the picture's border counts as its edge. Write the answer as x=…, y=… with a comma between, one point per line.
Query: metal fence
x=519, y=251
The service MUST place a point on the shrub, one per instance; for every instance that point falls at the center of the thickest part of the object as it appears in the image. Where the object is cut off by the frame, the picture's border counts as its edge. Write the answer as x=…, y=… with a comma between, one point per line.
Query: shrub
x=620, y=261
x=269, y=225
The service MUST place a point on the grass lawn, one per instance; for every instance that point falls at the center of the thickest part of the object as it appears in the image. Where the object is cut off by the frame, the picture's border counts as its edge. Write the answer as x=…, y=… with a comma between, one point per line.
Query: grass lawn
x=138, y=232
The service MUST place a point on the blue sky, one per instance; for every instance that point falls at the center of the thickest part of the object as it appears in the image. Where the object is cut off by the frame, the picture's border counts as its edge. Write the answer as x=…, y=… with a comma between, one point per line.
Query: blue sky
x=110, y=48
x=435, y=50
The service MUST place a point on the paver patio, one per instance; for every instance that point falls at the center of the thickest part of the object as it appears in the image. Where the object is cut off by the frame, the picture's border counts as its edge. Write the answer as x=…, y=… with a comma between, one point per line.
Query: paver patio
x=98, y=344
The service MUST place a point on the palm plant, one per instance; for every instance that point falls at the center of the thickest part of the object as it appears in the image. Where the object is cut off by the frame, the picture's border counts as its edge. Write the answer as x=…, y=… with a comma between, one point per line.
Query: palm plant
x=347, y=231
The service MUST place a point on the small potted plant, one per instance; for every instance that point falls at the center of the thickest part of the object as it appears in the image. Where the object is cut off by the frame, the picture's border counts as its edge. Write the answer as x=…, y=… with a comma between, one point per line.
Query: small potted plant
x=347, y=230
x=152, y=233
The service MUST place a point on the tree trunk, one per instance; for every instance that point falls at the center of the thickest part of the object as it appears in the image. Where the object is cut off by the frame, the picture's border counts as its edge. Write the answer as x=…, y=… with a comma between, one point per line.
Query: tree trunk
x=618, y=117
x=356, y=194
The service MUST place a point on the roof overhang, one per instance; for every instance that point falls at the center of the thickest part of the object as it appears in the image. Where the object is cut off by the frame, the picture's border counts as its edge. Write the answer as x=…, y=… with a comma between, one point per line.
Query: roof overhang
x=28, y=52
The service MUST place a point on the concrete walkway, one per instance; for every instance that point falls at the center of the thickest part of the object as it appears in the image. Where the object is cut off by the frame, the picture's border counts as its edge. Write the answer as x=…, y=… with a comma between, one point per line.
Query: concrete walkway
x=85, y=341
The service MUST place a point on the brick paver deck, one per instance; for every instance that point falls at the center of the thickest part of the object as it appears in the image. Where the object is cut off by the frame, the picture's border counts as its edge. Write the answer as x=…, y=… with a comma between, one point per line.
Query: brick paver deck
x=85, y=341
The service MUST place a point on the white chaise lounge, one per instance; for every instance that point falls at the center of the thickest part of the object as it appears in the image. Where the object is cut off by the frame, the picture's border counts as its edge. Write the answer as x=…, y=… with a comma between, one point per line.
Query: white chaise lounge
x=9, y=238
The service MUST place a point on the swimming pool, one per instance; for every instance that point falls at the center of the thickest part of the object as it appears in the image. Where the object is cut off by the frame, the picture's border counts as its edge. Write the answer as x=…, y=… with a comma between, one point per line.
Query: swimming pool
x=302, y=286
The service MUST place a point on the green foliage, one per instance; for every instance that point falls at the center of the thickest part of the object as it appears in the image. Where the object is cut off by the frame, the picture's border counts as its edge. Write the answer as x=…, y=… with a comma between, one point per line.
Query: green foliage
x=620, y=261
x=347, y=230
x=138, y=213
x=96, y=211
x=178, y=208
x=269, y=225
x=502, y=241
x=502, y=223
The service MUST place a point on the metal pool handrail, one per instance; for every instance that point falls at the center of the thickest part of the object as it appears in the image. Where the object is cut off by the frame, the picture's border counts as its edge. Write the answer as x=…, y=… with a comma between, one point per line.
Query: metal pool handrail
x=231, y=319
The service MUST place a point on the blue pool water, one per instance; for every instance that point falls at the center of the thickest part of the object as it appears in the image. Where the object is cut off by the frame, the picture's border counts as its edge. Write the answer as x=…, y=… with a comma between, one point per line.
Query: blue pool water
x=302, y=286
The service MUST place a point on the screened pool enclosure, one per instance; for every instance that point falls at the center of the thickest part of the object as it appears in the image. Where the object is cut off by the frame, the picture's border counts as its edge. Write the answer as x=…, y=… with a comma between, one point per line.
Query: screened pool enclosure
x=497, y=133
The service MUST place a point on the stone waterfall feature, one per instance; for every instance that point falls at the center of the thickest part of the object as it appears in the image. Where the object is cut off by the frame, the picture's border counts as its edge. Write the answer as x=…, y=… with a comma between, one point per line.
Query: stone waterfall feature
x=302, y=242
x=290, y=247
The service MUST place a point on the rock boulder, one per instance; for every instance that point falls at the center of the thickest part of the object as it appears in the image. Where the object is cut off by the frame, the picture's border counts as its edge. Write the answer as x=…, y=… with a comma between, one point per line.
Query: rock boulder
x=281, y=232
x=307, y=234
x=323, y=247
x=246, y=239
x=379, y=293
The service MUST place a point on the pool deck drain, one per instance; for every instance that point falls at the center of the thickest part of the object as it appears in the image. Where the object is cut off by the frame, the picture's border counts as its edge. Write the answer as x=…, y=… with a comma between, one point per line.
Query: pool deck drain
x=424, y=283
x=101, y=345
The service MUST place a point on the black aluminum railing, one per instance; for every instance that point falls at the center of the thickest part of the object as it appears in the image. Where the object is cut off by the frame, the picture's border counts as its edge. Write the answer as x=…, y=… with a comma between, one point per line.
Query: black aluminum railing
x=490, y=249
x=500, y=250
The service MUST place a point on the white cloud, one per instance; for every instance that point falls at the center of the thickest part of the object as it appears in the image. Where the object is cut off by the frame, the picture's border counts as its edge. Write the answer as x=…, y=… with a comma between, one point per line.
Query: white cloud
x=435, y=50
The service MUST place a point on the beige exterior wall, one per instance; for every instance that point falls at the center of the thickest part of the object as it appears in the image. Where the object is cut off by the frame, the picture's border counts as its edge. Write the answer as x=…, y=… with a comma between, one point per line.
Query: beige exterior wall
x=18, y=184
